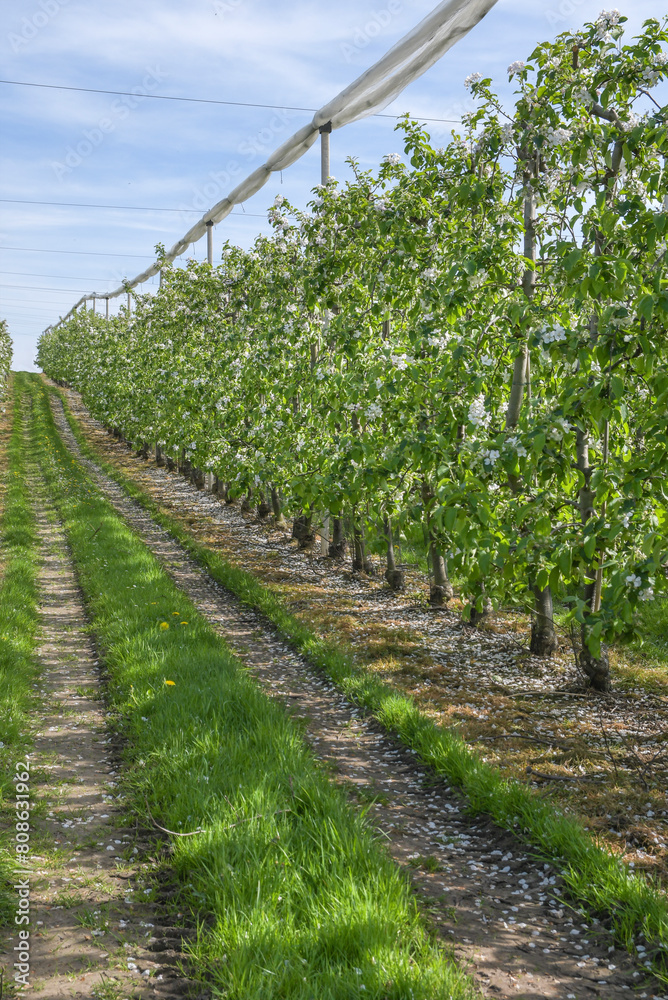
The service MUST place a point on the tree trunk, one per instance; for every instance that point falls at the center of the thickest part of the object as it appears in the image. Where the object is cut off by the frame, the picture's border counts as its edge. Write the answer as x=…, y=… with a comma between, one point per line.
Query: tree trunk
x=197, y=478
x=185, y=466
x=324, y=535
x=337, y=546
x=246, y=502
x=263, y=508
x=359, y=555
x=159, y=459
x=597, y=669
x=395, y=577
x=171, y=464
x=441, y=589
x=478, y=616
x=543, y=636
x=219, y=488
x=302, y=530
x=276, y=508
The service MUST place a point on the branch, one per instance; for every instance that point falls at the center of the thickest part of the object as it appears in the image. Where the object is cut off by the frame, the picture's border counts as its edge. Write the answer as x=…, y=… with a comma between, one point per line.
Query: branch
x=600, y=112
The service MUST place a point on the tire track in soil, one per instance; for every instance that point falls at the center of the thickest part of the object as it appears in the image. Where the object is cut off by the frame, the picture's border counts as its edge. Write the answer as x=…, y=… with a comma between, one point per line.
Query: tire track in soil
x=489, y=900
x=89, y=929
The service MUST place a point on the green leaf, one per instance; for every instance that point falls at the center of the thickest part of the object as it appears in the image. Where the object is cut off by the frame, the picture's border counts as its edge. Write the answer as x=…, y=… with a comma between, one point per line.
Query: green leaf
x=645, y=307
x=543, y=526
x=617, y=387
x=589, y=546
x=566, y=561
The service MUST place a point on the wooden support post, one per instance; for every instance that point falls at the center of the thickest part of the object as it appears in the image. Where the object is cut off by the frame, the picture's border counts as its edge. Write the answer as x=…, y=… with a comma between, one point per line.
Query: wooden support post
x=107, y=301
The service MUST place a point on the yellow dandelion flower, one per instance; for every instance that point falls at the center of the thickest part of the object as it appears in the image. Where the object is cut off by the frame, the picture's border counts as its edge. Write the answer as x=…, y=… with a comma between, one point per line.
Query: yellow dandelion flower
x=170, y=684
x=184, y=623
x=164, y=624
x=175, y=612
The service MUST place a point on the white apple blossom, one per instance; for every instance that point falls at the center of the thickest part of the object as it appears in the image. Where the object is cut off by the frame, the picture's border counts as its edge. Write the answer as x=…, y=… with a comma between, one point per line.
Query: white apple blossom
x=472, y=78
x=400, y=361
x=475, y=280
x=477, y=414
x=516, y=67
x=436, y=341
x=553, y=336
x=582, y=94
x=652, y=74
x=557, y=136
x=514, y=443
x=606, y=19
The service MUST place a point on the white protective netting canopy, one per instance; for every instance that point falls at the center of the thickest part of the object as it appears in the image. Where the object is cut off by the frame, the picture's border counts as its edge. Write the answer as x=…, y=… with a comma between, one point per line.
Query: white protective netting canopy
x=412, y=56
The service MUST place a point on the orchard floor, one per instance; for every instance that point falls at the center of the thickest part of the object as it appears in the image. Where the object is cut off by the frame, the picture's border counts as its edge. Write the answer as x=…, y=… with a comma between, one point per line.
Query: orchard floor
x=486, y=893
x=602, y=757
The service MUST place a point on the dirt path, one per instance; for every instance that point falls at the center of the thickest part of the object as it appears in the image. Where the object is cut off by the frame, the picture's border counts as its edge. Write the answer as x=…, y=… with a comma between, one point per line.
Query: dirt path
x=92, y=925
x=488, y=897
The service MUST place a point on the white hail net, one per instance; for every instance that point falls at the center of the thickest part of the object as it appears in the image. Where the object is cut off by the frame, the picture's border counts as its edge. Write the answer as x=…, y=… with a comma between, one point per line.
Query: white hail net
x=412, y=56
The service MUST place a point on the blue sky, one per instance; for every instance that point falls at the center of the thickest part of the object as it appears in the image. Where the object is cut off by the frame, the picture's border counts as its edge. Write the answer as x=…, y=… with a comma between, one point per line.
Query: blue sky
x=165, y=162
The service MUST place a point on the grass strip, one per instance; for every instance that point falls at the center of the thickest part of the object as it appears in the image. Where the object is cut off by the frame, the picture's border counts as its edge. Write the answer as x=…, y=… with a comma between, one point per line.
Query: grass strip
x=19, y=625
x=306, y=901
x=632, y=905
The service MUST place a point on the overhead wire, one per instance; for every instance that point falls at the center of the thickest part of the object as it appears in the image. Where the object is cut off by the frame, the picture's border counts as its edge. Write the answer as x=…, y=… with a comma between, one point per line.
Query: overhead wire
x=86, y=253
x=199, y=100
x=134, y=208
x=65, y=277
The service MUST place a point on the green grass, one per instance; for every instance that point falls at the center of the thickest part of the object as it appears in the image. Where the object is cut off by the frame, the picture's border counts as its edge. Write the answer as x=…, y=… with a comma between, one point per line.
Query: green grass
x=19, y=623
x=306, y=901
x=629, y=903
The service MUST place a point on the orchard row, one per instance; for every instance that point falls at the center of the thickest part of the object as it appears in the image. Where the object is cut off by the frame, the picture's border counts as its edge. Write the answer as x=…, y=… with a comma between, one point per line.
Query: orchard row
x=473, y=340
